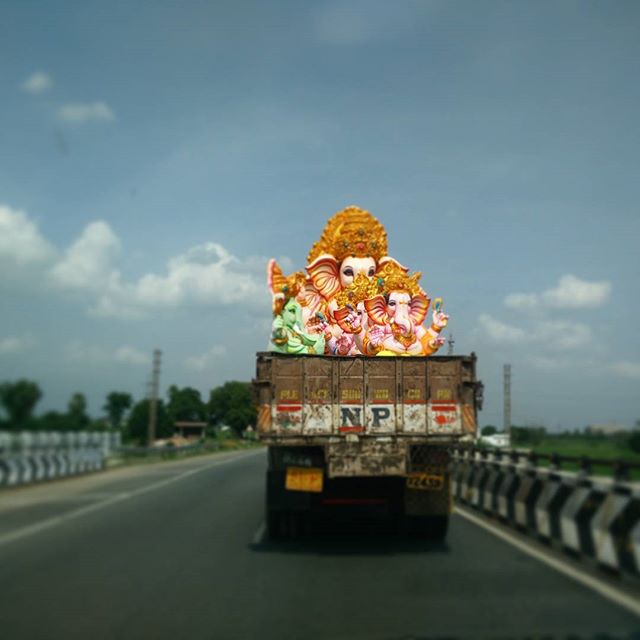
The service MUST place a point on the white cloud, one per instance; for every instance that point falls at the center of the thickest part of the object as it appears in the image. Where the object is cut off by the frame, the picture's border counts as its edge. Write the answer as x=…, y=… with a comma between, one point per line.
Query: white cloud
x=570, y=293
x=15, y=344
x=20, y=240
x=205, y=360
x=354, y=22
x=206, y=275
x=573, y=293
x=37, y=82
x=87, y=264
x=115, y=304
x=522, y=301
x=548, y=363
x=129, y=355
x=555, y=334
x=97, y=355
x=626, y=369
x=498, y=331
x=563, y=335
x=79, y=113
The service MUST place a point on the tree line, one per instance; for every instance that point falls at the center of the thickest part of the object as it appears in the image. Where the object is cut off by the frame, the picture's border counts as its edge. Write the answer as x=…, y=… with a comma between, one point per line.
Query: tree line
x=533, y=436
x=229, y=405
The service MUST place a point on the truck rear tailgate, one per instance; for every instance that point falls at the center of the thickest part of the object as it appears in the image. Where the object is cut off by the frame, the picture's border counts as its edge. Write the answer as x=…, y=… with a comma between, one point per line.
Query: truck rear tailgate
x=382, y=397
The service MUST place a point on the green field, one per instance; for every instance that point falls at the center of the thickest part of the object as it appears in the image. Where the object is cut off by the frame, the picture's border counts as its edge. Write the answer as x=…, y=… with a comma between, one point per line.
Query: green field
x=592, y=447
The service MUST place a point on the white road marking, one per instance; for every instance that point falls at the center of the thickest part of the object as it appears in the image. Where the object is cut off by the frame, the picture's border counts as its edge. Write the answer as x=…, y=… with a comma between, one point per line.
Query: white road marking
x=10, y=503
x=607, y=591
x=258, y=536
x=49, y=523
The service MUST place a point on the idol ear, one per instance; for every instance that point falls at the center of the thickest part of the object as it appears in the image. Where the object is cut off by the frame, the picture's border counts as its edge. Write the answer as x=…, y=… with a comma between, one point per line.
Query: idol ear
x=418, y=308
x=388, y=259
x=377, y=309
x=310, y=296
x=275, y=277
x=325, y=275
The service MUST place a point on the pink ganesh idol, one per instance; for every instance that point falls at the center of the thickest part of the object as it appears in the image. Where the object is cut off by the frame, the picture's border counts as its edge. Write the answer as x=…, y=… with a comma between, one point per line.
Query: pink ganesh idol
x=395, y=307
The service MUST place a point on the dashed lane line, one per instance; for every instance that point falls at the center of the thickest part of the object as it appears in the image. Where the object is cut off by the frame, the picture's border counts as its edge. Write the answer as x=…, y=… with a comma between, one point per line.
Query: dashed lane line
x=258, y=536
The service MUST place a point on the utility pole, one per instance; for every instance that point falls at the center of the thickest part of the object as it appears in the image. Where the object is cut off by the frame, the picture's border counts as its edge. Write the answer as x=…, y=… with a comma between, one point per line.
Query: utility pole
x=153, y=397
x=450, y=343
x=507, y=401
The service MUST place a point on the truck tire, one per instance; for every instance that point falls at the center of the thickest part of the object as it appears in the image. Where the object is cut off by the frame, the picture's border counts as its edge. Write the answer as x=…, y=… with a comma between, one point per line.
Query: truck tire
x=275, y=525
x=284, y=525
x=433, y=528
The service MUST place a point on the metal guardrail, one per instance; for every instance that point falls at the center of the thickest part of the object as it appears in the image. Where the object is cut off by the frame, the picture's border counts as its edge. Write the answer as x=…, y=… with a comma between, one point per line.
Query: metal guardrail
x=594, y=518
x=27, y=457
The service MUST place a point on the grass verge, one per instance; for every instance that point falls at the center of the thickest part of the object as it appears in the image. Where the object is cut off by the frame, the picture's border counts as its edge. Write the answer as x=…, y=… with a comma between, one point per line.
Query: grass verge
x=166, y=454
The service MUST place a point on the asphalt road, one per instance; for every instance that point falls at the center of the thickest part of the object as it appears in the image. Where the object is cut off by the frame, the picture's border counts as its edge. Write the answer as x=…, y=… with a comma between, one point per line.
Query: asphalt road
x=176, y=551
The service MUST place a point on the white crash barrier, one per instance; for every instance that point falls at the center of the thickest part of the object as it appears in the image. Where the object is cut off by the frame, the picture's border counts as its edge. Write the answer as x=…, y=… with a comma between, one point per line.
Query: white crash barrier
x=590, y=517
x=27, y=457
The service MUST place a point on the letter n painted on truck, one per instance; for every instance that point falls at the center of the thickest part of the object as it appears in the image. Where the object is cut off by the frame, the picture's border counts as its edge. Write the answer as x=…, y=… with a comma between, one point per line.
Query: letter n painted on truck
x=351, y=419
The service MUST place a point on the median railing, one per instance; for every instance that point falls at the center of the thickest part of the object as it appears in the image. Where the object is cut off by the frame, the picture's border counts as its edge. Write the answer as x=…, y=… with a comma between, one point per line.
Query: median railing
x=596, y=518
x=27, y=457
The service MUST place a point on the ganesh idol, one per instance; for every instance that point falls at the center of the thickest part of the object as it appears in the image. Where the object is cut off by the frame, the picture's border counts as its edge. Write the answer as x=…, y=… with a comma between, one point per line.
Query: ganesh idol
x=395, y=307
x=353, y=242
x=287, y=332
x=351, y=260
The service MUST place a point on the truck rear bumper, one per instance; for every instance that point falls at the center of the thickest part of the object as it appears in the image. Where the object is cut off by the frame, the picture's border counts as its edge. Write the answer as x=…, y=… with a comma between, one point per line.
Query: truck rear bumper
x=383, y=495
x=357, y=477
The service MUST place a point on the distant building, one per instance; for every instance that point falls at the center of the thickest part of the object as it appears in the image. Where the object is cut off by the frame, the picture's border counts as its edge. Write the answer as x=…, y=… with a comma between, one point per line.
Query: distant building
x=609, y=429
x=188, y=429
x=497, y=440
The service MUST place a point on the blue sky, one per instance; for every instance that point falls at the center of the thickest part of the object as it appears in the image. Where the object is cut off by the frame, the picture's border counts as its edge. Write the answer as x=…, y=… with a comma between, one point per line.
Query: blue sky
x=152, y=158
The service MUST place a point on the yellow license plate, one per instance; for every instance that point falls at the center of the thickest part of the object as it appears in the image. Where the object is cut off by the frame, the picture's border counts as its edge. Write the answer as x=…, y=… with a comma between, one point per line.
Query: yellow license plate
x=425, y=481
x=304, y=479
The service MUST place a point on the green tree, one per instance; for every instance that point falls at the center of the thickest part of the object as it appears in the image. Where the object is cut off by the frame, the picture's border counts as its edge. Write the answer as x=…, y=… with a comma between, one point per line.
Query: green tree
x=527, y=435
x=186, y=404
x=101, y=424
x=232, y=404
x=634, y=438
x=116, y=405
x=77, y=412
x=138, y=422
x=489, y=430
x=19, y=400
x=53, y=421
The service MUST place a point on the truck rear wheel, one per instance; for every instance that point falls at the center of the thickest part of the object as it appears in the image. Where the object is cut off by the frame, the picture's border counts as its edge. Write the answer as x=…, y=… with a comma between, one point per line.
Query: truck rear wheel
x=432, y=528
x=284, y=525
x=275, y=528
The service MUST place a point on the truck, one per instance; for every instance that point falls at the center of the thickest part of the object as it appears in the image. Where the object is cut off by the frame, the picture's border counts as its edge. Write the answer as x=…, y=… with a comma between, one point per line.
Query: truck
x=363, y=433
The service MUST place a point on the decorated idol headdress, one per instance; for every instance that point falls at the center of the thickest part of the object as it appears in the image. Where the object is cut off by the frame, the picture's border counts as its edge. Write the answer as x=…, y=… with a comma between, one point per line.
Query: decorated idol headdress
x=351, y=232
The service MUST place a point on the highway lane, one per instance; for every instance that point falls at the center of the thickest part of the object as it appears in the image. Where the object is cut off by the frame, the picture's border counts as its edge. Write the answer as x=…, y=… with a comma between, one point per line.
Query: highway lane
x=175, y=551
